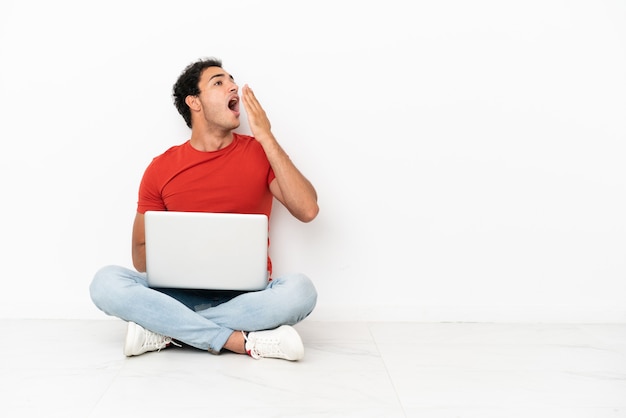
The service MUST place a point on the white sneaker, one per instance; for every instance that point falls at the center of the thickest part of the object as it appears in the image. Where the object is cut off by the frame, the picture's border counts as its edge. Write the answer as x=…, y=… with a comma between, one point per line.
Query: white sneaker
x=282, y=342
x=139, y=340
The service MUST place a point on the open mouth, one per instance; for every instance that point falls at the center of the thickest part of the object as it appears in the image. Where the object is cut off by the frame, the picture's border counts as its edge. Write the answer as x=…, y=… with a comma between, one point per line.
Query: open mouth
x=233, y=104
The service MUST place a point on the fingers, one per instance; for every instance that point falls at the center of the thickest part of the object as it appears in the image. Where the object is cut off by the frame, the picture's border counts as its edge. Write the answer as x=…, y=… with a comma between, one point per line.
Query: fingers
x=249, y=99
x=256, y=115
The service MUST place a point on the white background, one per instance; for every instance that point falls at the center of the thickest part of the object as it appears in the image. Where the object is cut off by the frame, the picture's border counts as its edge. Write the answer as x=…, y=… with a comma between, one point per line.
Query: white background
x=468, y=155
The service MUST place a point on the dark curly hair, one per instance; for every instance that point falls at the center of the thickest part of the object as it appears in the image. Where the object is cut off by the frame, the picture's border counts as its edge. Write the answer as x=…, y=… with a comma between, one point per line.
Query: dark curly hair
x=187, y=84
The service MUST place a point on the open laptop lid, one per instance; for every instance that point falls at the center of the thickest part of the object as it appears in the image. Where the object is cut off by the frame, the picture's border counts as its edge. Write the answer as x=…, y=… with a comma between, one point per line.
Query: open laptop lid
x=199, y=250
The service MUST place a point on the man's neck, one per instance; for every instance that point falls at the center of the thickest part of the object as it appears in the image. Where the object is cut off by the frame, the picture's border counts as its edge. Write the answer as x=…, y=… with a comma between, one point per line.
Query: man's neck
x=210, y=141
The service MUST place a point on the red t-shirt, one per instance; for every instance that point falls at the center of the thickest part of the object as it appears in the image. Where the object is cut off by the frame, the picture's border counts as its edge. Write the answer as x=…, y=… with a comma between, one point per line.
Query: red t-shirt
x=234, y=179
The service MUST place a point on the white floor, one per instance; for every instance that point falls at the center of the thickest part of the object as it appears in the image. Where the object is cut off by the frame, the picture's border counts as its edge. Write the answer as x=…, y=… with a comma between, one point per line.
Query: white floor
x=56, y=368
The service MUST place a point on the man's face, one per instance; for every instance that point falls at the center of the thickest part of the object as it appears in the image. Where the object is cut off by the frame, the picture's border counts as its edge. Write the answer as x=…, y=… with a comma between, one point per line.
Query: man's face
x=219, y=99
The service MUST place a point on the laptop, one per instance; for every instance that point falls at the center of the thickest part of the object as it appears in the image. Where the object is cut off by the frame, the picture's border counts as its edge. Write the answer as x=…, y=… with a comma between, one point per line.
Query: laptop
x=200, y=250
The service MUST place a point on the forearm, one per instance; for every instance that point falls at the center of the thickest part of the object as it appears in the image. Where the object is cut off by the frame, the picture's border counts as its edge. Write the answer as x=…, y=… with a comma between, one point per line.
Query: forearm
x=296, y=191
x=139, y=257
x=138, y=249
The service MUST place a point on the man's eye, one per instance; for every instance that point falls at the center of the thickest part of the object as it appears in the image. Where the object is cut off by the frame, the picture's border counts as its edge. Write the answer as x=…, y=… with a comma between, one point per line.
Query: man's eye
x=218, y=83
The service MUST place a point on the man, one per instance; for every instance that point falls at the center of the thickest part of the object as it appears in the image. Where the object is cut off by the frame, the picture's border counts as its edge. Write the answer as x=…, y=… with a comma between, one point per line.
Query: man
x=216, y=170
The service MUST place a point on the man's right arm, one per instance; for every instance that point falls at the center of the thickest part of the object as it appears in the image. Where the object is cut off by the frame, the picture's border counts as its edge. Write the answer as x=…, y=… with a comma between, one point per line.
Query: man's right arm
x=139, y=243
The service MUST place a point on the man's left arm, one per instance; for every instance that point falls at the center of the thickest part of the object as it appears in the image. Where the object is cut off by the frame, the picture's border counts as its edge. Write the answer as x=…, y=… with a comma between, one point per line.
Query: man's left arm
x=290, y=187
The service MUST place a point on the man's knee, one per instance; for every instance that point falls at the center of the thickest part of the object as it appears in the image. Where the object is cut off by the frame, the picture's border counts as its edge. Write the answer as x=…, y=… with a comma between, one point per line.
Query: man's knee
x=303, y=294
x=102, y=288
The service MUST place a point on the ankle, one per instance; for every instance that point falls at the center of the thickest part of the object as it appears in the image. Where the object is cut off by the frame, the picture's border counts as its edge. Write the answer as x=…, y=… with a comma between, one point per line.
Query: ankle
x=236, y=342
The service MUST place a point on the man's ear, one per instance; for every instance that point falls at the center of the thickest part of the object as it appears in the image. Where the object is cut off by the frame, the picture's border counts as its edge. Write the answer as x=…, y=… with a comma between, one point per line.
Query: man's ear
x=193, y=102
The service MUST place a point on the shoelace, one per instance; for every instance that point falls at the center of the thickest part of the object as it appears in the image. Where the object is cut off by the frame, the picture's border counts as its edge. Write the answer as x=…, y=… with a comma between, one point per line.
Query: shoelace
x=158, y=341
x=264, y=347
x=267, y=348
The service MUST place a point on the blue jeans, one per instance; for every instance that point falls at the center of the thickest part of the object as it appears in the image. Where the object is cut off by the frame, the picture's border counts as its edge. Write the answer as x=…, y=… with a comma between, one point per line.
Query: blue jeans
x=202, y=319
